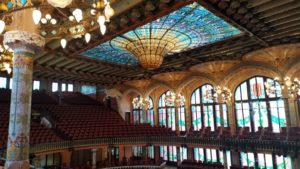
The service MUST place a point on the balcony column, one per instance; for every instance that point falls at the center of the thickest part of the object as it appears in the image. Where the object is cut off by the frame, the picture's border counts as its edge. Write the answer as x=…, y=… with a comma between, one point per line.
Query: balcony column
x=94, y=158
x=156, y=155
x=290, y=109
x=231, y=116
x=24, y=42
x=190, y=153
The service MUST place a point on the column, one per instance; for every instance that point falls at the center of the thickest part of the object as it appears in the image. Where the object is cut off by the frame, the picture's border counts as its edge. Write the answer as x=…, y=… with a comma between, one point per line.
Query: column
x=292, y=103
x=24, y=45
x=156, y=154
x=94, y=158
x=235, y=158
x=190, y=153
x=231, y=116
x=121, y=152
x=66, y=158
x=177, y=120
x=220, y=102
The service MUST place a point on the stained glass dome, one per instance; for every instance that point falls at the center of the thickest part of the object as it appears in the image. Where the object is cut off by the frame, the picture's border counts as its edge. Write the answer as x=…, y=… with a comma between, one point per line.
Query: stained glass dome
x=189, y=27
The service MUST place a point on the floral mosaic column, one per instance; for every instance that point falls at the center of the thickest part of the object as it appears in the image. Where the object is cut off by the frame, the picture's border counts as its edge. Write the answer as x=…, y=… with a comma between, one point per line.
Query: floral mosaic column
x=24, y=45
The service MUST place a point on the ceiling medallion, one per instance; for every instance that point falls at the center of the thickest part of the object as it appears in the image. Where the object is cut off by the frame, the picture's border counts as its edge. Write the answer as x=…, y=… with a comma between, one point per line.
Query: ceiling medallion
x=59, y=3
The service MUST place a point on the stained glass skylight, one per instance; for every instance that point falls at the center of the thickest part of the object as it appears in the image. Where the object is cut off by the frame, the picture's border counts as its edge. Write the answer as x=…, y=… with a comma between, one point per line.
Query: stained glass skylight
x=189, y=27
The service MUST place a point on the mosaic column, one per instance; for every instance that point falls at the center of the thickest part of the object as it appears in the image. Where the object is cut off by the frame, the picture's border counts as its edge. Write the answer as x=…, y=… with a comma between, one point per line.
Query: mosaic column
x=24, y=45
x=231, y=116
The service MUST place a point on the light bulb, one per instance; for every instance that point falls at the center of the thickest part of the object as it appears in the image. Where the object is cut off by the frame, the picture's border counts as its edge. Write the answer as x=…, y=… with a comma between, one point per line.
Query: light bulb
x=48, y=16
x=9, y=70
x=103, y=29
x=2, y=26
x=78, y=14
x=87, y=37
x=71, y=18
x=53, y=21
x=108, y=11
x=36, y=15
x=44, y=20
x=63, y=43
x=101, y=20
x=93, y=12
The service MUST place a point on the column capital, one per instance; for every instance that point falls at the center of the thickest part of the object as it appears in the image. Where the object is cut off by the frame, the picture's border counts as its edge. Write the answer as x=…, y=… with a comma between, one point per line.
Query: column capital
x=23, y=40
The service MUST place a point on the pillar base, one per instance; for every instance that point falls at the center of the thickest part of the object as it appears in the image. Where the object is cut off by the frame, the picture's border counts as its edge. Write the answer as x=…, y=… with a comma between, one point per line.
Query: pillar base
x=17, y=164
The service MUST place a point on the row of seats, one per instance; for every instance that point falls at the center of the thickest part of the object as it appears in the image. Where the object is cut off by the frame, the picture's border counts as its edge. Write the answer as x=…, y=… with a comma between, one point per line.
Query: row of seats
x=89, y=121
x=76, y=98
x=38, y=97
x=38, y=133
x=286, y=133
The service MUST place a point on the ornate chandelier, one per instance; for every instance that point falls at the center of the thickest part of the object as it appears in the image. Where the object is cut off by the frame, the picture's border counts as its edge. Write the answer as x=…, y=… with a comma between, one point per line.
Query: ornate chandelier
x=224, y=92
x=141, y=103
x=174, y=100
x=292, y=86
x=76, y=20
x=6, y=57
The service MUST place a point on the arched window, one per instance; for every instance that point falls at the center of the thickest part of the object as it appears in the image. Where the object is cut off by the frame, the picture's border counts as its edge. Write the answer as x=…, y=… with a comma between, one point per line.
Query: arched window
x=205, y=109
x=137, y=112
x=254, y=108
x=167, y=113
x=150, y=112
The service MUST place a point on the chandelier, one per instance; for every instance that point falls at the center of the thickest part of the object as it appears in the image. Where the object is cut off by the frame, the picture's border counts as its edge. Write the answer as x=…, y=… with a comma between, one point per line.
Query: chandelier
x=212, y=93
x=171, y=99
x=150, y=46
x=76, y=20
x=6, y=56
x=292, y=86
x=141, y=103
x=224, y=92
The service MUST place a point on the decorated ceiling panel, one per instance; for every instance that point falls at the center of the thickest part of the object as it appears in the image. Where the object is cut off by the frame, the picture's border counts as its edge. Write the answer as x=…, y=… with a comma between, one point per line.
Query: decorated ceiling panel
x=190, y=27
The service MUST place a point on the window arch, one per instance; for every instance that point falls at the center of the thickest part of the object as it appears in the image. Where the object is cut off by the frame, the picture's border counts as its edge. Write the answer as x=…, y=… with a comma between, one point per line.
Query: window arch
x=254, y=108
x=205, y=109
x=138, y=113
x=166, y=113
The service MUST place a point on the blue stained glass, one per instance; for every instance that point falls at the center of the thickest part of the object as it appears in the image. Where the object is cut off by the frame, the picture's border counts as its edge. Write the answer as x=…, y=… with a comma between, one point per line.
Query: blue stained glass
x=10, y=5
x=190, y=27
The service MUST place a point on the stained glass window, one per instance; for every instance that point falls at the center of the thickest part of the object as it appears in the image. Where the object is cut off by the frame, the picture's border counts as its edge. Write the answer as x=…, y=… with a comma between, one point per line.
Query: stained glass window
x=166, y=113
x=36, y=85
x=283, y=162
x=137, y=151
x=54, y=87
x=3, y=82
x=189, y=27
x=150, y=113
x=181, y=118
x=208, y=155
x=168, y=153
x=137, y=113
x=254, y=108
x=228, y=159
x=183, y=153
x=247, y=159
x=265, y=161
x=205, y=110
x=150, y=152
x=85, y=89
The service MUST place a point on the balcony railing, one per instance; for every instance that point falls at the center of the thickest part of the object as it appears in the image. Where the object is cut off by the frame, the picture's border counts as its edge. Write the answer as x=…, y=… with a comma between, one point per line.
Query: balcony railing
x=224, y=143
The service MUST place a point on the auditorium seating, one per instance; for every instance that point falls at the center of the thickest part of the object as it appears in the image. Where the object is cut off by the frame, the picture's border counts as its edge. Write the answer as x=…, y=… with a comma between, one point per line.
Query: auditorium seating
x=76, y=98
x=38, y=133
x=86, y=122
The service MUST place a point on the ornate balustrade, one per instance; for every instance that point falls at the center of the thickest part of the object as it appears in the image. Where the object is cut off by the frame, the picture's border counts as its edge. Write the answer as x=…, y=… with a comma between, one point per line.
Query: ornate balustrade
x=134, y=167
x=223, y=143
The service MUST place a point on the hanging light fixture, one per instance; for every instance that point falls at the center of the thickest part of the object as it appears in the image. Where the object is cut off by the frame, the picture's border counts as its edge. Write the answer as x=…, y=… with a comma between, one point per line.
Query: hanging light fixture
x=172, y=99
x=224, y=92
x=291, y=85
x=59, y=3
x=36, y=15
x=6, y=57
x=2, y=26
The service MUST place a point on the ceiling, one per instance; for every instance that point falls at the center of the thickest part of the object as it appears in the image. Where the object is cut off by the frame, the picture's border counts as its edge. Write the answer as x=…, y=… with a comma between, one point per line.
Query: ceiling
x=261, y=24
